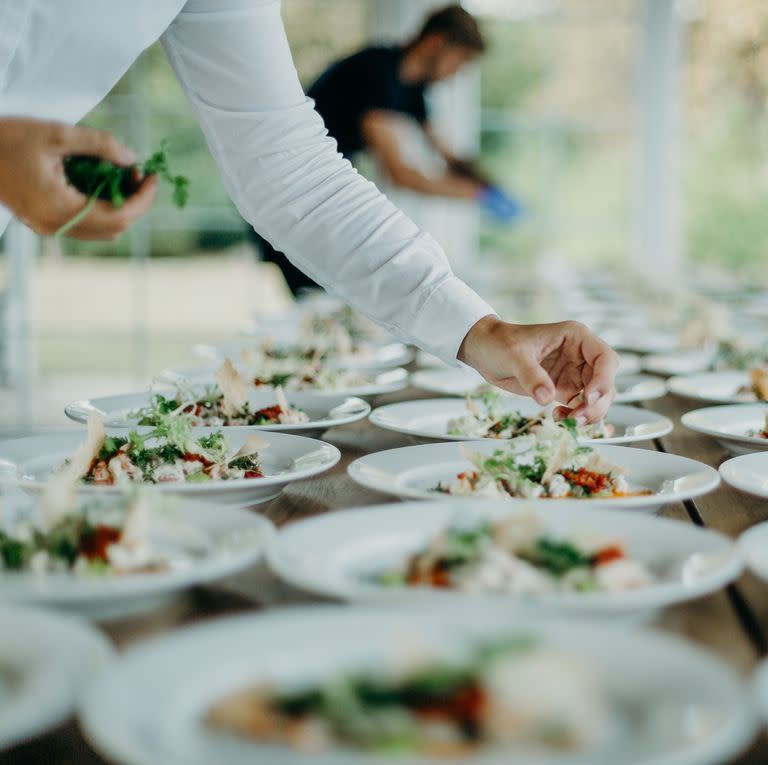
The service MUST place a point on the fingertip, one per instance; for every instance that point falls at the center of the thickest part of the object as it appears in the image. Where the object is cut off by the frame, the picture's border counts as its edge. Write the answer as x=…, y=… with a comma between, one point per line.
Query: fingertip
x=143, y=198
x=149, y=185
x=594, y=412
x=119, y=154
x=543, y=395
x=115, y=151
x=127, y=156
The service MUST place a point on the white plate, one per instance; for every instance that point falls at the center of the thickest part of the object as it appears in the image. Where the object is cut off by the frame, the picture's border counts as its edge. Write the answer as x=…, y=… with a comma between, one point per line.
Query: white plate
x=629, y=364
x=729, y=426
x=391, y=381
x=631, y=389
x=753, y=544
x=375, y=357
x=429, y=419
x=412, y=471
x=717, y=387
x=668, y=702
x=338, y=554
x=426, y=360
x=324, y=411
x=760, y=690
x=448, y=381
x=645, y=342
x=45, y=662
x=228, y=540
x=291, y=327
x=288, y=458
x=748, y=473
x=678, y=363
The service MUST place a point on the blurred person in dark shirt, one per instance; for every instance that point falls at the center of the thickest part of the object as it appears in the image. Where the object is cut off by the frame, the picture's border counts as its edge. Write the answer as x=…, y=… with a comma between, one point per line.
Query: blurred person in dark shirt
x=363, y=97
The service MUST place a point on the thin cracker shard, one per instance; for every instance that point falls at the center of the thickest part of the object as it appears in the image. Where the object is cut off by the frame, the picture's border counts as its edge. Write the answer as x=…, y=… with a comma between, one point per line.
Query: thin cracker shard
x=89, y=449
x=559, y=459
x=253, y=444
x=136, y=524
x=281, y=399
x=233, y=388
x=59, y=491
x=472, y=406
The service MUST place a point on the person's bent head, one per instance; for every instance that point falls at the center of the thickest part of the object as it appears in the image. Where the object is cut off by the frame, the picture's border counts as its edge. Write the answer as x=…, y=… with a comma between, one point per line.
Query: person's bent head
x=449, y=39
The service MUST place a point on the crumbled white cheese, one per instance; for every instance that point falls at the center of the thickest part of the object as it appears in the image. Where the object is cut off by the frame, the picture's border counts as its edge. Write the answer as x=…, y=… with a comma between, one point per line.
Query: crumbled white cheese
x=559, y=487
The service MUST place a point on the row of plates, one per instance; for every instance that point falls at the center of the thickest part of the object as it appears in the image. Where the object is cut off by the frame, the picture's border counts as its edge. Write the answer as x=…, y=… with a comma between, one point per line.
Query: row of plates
x=407, y=472
x=385, y=364
x=442, y=380
x=333, y=554
x=134, y=710
x=421, y=418
x=667, y=702
x=714, y=387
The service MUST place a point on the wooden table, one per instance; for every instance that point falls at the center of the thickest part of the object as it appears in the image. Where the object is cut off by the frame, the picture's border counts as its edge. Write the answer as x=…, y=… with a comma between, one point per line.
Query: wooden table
x=733, y=623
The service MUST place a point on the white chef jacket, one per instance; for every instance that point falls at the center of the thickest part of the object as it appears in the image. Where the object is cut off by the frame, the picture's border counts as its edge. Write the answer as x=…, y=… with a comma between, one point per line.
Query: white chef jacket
x=59, y=58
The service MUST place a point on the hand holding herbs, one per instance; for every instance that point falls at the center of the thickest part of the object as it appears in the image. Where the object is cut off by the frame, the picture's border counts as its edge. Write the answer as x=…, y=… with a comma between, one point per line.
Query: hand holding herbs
x=101, y=179
x=35, y=189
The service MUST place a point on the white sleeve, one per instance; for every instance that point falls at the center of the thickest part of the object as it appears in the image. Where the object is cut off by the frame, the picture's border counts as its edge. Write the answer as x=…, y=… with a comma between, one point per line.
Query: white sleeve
x=287, y=179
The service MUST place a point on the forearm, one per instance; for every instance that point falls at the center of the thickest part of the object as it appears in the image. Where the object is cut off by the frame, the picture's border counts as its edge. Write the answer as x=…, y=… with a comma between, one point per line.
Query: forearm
x=447, y=185
x=288, y=180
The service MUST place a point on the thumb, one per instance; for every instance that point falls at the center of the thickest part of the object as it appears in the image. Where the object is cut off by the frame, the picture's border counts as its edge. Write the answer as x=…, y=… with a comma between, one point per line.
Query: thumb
x=534, y=380
x=94, y=143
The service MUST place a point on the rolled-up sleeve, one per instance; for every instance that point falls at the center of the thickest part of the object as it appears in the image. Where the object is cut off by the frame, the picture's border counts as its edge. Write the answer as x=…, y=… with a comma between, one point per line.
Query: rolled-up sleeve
x=287, y=179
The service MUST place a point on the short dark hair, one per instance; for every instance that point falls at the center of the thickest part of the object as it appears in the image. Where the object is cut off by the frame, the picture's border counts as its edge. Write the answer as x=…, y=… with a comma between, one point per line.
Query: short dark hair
x=456, y=25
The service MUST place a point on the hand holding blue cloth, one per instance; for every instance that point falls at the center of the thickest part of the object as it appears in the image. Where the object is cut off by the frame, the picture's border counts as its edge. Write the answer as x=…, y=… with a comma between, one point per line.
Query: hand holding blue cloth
x=501, y=207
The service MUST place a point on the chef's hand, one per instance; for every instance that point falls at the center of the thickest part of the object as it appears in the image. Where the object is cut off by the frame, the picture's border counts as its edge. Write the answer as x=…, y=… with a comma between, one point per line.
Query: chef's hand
x=34, y=188
x=562, y=362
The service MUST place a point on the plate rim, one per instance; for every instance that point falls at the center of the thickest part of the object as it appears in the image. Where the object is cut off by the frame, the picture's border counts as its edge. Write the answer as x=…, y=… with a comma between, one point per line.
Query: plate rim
x=401, y=381
x=665, y=424
x=150, y=585
x=652, y=500
x=736, y=732
x=93, y=644
x=197, y=489
x=726, y=472
x=685, y=420
x=675, y=382
x=600, y=603
x=79, y=410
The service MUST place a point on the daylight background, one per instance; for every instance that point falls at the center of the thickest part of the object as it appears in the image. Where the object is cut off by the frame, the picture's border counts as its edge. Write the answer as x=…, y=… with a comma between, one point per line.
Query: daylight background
x=556, y=101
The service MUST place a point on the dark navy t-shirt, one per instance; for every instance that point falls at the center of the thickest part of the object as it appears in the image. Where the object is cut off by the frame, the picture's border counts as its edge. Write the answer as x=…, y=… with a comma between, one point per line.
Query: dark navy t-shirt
x=366, y=81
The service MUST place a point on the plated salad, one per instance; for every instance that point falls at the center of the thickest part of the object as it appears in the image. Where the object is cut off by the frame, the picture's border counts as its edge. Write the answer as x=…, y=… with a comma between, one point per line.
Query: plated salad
x=322, y=324
x=731, y=354
x=290, y=374
x=224, y=404
x=511, y=695
x=540, y=466
x=336, y=343
x=489, y=419
x=86, y=539
x=517, y=555
x=169, y=453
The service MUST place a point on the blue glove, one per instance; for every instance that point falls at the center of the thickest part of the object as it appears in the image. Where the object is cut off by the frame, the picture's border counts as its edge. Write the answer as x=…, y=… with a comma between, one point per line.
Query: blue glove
x=499, y=206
